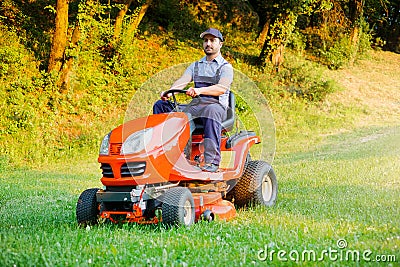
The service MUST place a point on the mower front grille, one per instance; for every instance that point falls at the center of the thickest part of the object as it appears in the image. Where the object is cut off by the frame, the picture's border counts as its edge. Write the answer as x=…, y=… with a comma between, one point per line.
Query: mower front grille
x=106, y=170
x=115, y=149
x=130, y=169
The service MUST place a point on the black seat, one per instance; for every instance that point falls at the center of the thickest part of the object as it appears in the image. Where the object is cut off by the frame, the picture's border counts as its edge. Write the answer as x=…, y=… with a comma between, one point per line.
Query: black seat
x=227, y=124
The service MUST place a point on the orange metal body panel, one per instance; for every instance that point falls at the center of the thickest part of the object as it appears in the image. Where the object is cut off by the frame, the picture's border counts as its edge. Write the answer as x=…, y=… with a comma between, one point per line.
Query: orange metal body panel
x=184, y=171
x=164, y=157
x=222, y=209
x=165, y=162
x=170, y=136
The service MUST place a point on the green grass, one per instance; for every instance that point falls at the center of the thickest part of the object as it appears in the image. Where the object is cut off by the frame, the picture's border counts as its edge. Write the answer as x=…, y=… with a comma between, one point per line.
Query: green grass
x=346, y=187
x=336, y=179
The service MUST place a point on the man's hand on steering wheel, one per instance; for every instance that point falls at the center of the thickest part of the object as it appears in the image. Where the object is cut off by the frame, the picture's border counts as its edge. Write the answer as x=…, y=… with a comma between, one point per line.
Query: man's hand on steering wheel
x=165, y=97
x=193, y=92
x=171, y=92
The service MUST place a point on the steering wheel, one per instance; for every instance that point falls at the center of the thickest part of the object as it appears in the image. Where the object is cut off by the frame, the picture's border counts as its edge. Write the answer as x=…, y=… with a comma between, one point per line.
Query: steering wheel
x=173, y=92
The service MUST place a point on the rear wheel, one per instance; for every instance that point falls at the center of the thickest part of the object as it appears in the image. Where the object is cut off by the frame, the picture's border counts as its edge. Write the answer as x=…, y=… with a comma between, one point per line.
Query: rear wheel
x=258, y=185
x=178, y=207
x=87, y=211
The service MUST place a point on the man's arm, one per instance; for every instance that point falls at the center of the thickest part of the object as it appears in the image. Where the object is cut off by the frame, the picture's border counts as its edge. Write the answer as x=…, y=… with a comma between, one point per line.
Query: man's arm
x=182, y=81
x=178, y=84
x=213, y=90
x=217, y=89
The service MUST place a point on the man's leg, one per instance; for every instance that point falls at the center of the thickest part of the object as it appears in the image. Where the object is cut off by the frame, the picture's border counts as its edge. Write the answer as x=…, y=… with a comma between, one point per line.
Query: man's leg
x=162, y=107
x=212, y=116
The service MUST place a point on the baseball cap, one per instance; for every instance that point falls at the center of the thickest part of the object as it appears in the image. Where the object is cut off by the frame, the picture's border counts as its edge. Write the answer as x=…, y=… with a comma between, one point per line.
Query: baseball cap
x=213, y=32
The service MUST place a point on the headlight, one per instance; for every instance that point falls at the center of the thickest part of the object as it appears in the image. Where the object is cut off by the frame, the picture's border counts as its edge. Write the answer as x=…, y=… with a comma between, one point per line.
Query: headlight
x=105, y=145
x=136, y=142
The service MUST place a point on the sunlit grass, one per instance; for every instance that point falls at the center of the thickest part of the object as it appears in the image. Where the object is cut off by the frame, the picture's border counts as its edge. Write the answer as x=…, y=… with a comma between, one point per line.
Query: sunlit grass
x=346, y=188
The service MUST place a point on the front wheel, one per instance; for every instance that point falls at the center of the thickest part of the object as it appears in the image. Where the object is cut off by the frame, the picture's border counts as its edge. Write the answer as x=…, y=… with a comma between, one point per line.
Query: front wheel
x=178, y=207
x=258, y=185
x=87, y=211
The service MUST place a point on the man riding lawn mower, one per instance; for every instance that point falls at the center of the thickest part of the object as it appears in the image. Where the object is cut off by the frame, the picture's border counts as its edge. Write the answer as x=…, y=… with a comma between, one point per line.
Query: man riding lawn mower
x=148, y=178
x=170, y=168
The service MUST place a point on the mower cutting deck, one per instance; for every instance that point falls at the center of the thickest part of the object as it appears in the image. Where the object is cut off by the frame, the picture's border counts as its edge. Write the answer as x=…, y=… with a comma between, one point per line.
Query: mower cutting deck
x=150, y=173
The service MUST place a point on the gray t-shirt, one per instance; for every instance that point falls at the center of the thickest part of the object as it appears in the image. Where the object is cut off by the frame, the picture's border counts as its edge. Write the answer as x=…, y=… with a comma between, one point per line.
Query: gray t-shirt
x=209, y=69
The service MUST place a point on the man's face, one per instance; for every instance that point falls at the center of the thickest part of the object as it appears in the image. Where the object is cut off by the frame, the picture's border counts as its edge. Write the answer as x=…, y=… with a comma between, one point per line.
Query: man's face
x=211, y=44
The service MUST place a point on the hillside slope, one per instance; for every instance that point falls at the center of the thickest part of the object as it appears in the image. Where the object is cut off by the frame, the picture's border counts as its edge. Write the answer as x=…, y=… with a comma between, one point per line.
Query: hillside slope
x=344, y=191
x=373, y=85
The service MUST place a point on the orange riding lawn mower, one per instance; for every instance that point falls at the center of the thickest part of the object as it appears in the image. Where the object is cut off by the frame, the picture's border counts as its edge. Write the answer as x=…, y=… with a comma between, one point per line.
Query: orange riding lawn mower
x=151, y=173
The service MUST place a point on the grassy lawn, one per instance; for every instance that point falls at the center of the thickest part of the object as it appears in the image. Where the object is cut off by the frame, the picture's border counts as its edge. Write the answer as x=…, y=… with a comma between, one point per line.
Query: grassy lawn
x=338, y=168
x=345, y=190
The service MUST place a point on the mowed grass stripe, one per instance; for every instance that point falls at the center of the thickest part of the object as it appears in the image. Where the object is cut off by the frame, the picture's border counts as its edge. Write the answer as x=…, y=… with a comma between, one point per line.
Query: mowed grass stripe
x=346, y=188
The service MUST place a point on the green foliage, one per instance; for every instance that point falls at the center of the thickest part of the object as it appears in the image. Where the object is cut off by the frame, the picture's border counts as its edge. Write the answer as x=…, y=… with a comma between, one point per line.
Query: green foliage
x=344, y=51
x=281, y=18
x=16, y=87
x=43, y=122
x=384, y=23
x=339, y=54
x=33, y=24
x=282, y=28
x=297, y=41
x=303, y=79
x=15, y=60
x=365, y=39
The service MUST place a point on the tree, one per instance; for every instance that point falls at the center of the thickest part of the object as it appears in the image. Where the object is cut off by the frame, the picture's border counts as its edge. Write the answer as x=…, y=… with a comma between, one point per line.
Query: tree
x=139, y=14
x=355, y=15
x=383, y=17
x=393, y=28
x=120, y=18
x=136, y=17
x=59, y=41
x=61, y=60
x=279, y=19
x=66, y=71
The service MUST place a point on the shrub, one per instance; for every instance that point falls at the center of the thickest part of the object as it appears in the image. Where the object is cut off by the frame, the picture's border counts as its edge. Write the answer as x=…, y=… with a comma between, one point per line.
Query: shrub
x=305, y=80
x=338, y=55
x=15, y=60
x=365, y=39
x=297, y=41
x=343, y=51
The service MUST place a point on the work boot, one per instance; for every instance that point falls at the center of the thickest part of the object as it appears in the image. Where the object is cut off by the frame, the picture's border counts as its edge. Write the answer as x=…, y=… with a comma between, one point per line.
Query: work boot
x=210, y=167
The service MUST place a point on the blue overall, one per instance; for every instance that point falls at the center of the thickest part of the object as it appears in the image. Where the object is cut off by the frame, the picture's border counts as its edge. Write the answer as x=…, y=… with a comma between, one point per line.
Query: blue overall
x=208, y=109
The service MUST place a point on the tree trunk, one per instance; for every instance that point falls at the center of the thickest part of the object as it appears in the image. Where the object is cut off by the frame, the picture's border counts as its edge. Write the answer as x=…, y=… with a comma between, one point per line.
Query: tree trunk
x=277, y=57
x=272, y=51
x=119, y=19
x=60, y=37
x=67, y=70
x=135, y=23
x=263, y=34
x=280, y=28
x=355, y=13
